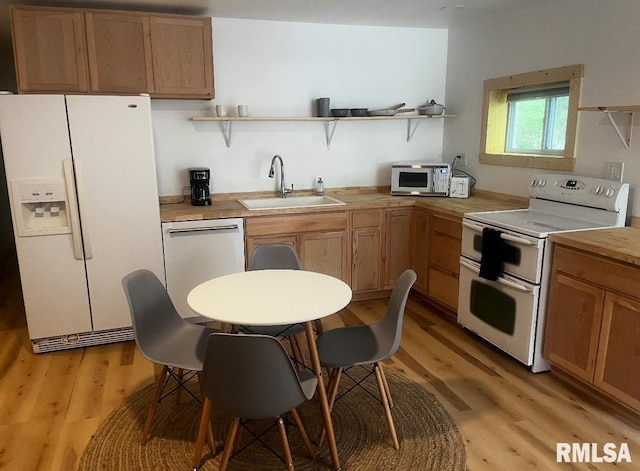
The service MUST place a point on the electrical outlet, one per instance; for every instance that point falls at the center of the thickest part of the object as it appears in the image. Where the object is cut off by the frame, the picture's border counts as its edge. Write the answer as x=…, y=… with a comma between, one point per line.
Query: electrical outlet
x=614, y=171
x=461, y=159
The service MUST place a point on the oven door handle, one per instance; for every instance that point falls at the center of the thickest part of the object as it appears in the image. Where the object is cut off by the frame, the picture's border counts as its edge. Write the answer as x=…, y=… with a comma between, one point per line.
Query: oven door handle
x=500, y=280
x=473, y=227
x=515, y=239
x=509, y=237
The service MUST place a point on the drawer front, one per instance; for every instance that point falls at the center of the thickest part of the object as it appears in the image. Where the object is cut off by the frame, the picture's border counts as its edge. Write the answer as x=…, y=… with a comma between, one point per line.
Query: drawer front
x=445, y=253
x=366, y=218
x=613, y=275
x=450, y=227
x=443, y=287
x=273, y=225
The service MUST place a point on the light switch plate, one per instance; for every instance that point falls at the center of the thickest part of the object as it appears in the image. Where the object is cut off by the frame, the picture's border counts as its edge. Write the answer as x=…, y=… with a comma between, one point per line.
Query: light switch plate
x=614, y=171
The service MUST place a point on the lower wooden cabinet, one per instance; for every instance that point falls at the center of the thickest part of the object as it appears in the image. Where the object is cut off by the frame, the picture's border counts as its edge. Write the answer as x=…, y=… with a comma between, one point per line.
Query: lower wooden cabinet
x=366, y=250
x=436, y=257
x=618, y=366
x=593, y=323
x=445, y=239
x=370, y=248
x=320, y=240
x=421, y=226
x=398, y=250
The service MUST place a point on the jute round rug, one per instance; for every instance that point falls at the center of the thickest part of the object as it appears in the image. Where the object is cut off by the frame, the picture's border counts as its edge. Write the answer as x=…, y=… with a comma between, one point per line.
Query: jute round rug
x=429, y=438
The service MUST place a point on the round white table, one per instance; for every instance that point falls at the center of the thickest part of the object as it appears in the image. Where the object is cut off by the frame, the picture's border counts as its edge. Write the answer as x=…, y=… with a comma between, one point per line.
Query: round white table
x=277, y=297
x=269, y=297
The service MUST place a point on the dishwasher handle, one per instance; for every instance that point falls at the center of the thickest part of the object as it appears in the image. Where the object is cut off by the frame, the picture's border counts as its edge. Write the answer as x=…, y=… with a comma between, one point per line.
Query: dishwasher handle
x=205, y=229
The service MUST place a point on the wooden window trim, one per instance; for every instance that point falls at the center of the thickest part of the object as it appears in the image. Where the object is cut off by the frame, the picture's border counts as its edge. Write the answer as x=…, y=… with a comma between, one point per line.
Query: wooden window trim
x=494, y=118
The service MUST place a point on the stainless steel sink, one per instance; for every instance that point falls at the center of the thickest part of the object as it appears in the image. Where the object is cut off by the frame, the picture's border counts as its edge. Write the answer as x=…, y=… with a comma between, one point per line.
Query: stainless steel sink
x=290, y=202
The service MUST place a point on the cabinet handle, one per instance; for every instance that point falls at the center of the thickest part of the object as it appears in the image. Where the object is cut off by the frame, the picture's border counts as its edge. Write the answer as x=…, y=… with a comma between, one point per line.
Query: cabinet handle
x=204, y=229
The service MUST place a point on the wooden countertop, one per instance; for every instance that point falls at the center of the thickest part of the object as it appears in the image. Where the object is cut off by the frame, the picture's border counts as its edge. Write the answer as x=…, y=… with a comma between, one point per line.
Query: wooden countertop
x=225, y=207
x=621, y=243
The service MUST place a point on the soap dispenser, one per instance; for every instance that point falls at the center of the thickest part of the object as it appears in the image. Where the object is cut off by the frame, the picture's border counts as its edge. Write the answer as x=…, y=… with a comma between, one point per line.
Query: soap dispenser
x=320, y=187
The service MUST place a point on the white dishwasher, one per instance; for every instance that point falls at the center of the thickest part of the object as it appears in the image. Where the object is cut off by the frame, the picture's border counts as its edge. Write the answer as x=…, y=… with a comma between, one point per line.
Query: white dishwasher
x=196, y=251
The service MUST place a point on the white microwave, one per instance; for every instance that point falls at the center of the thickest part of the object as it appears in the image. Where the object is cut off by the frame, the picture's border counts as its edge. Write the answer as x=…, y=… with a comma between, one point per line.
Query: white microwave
x=420, y=178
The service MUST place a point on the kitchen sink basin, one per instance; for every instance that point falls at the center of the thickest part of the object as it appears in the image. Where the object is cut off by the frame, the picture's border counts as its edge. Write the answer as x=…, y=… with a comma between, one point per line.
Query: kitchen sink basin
x=290, y=202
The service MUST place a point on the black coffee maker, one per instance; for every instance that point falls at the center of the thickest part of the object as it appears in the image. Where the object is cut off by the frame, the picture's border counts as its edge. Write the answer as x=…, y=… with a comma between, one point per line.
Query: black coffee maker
x=199, y=179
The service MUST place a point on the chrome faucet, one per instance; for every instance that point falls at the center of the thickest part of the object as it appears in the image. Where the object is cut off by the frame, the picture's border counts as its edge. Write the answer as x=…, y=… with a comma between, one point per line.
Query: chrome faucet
x=284, y=191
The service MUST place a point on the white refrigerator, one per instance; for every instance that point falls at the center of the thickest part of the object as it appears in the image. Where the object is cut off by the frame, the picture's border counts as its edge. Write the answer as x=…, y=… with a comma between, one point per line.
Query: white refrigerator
x=84, y=205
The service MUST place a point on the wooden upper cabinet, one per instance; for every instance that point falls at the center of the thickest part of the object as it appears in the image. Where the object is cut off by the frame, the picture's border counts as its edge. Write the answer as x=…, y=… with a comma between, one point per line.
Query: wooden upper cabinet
x=72, y=50
x=50, y=50
x=119, y=48
x=182, y=56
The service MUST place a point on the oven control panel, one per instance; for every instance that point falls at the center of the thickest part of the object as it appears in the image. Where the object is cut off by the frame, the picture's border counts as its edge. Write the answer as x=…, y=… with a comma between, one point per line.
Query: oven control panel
x=583, y=191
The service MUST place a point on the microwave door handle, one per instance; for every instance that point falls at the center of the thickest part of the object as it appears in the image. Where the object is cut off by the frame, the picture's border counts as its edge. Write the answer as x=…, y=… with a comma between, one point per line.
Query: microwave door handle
x=515, y=239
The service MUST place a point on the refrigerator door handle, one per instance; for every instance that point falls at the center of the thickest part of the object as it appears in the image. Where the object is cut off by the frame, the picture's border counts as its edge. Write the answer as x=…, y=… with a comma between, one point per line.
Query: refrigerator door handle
x=84, y=226
x=76, y=237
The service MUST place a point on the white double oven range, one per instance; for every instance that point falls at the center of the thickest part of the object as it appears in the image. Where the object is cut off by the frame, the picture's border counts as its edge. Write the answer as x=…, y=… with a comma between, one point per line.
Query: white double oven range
x=506, y=259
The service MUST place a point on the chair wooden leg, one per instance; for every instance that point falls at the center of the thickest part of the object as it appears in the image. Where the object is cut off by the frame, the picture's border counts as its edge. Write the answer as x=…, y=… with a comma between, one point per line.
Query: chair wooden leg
x=318, y=326
x=204, y=429
x=386, y=387
x=228, y=445
x=385, y=403
x=237, y=439
x=154, y=404
x=295, y=352
x=211, y=438
x=180, y=375
x=288, y=459
x=332, y=391
x=303, y=433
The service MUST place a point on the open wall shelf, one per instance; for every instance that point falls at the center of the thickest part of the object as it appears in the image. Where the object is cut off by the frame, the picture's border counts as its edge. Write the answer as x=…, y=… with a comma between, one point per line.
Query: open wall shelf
x=608, y=111
x=330, y=123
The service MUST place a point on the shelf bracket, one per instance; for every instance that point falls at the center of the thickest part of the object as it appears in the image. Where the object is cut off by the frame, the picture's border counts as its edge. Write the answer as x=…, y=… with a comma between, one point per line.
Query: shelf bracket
x=330, y=128
x=626, y=141
x=226, y=129
x=411, y=131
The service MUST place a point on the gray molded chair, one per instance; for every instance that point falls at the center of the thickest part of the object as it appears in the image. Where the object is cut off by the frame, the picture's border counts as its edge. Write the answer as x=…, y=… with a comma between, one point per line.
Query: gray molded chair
x=163, y=337
x=367, y=346
x=251, y=377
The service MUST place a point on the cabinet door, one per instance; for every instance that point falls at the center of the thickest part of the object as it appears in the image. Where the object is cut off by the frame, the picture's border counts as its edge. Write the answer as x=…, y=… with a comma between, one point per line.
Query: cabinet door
x=325, y=252
x=119, y=48
x=398, y=251
x=50, y=50
x=366, y=250
x=444, y=260
x=618, y=364
x=182, y=56
x=421, y=250
x=573, y=325
x=253, y=242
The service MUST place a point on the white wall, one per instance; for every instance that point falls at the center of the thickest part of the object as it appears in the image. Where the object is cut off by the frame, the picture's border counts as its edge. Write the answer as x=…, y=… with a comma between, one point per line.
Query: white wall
x=603, y=35
x=279, y=69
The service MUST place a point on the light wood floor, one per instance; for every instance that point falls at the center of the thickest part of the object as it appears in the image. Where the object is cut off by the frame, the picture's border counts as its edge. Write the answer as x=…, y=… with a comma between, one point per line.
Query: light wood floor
x=510, y=419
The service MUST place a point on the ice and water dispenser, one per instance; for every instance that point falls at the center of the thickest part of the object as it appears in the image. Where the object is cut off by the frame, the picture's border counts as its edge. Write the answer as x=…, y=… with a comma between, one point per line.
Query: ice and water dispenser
x=40, y=206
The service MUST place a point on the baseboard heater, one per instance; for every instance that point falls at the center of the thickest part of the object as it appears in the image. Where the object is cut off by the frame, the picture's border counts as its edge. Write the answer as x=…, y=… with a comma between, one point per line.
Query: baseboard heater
x=84, y=339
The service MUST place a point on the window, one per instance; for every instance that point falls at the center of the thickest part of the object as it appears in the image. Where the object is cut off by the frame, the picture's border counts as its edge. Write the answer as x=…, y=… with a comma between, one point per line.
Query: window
x=537, y=120
x=530, y=120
